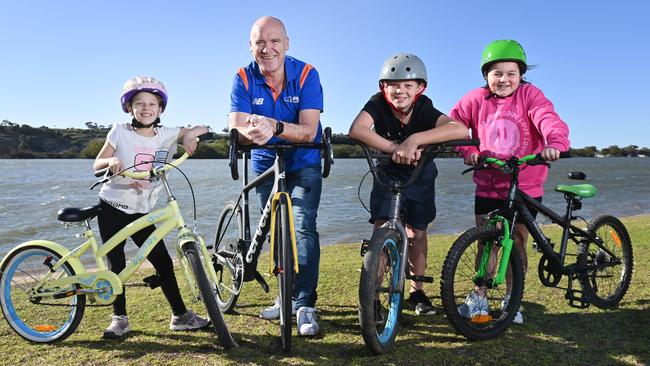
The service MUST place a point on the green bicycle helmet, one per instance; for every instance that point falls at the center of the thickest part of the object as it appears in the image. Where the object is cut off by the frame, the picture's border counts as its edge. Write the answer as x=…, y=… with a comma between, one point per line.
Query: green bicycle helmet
x=503, y=50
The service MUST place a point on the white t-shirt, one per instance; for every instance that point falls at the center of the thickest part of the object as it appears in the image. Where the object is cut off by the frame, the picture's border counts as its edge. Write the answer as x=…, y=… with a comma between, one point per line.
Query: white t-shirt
x=131, y=195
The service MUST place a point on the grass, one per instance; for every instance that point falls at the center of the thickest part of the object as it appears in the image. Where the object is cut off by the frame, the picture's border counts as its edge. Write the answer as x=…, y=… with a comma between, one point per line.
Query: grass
x=553, y=333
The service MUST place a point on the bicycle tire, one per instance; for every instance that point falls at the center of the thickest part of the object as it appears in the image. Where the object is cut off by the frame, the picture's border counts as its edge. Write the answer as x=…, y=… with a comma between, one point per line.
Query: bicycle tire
x=600, y=292
x=286, y=273
x=191, y=252
x=228, y=259
x=50, y=321
x=457, y=282
x=379, y=315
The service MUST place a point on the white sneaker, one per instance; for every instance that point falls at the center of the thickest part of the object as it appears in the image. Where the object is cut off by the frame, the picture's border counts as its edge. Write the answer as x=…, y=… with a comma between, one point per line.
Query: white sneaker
x=273, y=311
x=118, y=328
x=307, y=321
x=188, y=321
x=519, y=319
x=474, y=307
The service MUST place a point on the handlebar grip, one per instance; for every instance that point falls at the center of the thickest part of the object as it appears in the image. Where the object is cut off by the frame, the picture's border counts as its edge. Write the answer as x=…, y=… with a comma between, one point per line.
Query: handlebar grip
x=464, y=142
x=328, y=152
x=565, y=154
x=101, y=172
x=208, y=136
x=232, y=154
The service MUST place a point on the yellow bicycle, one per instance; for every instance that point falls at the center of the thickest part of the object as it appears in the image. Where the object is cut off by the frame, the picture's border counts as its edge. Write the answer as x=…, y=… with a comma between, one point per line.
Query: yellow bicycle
x=44, y=287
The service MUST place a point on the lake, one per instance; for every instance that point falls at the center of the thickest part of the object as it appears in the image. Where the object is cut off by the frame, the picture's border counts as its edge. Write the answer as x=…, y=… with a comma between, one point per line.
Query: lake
x=31, y=192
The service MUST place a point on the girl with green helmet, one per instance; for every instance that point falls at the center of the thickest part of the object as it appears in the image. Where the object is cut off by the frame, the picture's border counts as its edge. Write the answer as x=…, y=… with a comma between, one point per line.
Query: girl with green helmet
x=399, y=120
x=511, y=118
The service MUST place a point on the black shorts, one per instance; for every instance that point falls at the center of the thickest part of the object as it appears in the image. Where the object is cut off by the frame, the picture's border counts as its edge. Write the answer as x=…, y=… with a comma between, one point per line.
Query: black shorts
x=418, y=200
x=483, y=205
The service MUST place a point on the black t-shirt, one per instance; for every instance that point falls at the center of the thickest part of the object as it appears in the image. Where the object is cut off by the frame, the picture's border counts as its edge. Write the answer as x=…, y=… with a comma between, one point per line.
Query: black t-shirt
x=424, y=117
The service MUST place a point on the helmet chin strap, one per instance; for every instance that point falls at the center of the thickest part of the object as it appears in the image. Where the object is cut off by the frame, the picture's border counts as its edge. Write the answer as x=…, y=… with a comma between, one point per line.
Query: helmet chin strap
x=137, y=124
x=400, y=112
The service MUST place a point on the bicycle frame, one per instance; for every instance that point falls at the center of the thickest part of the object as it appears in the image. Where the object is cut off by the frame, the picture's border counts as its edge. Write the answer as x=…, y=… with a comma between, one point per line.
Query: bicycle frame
x=517, y=204
x=169, y=218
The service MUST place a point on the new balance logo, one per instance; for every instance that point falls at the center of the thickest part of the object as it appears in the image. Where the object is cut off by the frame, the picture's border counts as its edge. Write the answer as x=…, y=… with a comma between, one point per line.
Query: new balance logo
x=258, y=101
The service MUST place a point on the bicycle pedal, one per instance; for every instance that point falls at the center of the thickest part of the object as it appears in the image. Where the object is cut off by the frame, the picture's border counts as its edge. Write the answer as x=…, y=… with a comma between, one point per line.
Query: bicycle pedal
x=481, y=319
x=152, y=281
x=427, y=279
x=364, y=247
x=577, y=299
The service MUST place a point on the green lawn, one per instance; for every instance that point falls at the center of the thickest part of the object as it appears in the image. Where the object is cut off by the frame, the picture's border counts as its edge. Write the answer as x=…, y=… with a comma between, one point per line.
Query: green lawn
x=553, y=333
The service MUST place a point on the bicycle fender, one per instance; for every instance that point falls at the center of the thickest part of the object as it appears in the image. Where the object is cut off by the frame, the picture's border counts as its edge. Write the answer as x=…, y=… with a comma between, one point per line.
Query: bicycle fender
x=59, y=249
x=274, y=204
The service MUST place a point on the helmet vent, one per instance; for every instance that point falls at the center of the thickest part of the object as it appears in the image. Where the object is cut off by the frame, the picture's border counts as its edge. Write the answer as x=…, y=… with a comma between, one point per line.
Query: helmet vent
x=408, y=69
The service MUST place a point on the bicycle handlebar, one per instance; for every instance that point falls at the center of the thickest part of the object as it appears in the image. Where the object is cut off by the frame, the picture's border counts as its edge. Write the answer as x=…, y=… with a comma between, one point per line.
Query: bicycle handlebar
x=532, y=159
x=156, y=168
x=429, y=153
x=235, y=147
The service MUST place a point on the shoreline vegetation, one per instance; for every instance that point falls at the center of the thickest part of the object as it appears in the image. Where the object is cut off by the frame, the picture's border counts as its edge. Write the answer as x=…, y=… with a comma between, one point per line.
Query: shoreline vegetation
x=27, y=142
x=553, y=333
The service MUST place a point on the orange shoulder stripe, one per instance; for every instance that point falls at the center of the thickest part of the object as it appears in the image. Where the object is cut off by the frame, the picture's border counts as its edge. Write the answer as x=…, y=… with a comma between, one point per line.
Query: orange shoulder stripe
x=244, y=78
x=305, y=72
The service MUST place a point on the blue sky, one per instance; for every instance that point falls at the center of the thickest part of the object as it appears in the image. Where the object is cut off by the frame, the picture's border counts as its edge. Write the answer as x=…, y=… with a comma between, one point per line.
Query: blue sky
x=64, y=62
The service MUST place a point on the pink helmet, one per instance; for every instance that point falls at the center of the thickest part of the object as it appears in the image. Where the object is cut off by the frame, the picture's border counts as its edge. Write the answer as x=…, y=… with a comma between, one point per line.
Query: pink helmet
x=143, y=84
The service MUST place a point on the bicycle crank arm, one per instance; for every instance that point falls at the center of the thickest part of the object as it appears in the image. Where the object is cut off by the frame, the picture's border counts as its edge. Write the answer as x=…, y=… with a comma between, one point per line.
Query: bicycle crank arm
x=426, y=279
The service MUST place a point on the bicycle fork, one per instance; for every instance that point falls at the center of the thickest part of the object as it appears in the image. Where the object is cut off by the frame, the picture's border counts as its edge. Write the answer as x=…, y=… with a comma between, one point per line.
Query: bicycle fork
x=505, y=243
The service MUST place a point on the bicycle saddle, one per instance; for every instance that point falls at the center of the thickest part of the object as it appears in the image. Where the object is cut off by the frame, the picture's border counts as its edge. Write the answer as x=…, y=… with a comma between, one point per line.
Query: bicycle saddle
x=75, y=214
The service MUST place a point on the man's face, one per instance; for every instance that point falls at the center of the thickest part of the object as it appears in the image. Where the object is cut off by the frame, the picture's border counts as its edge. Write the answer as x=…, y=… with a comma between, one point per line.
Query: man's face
x=269, y=44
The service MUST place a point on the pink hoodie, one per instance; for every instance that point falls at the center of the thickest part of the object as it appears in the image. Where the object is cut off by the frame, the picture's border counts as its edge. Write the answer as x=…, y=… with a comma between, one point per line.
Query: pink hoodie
x=521, y=124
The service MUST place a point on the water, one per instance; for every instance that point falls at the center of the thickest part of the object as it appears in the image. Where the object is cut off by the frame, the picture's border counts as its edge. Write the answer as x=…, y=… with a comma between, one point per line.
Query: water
x=31, y=191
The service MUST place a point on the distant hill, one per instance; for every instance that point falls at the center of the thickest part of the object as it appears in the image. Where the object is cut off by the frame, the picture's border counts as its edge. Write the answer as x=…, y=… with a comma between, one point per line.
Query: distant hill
x=27, y=142
x=23, y=141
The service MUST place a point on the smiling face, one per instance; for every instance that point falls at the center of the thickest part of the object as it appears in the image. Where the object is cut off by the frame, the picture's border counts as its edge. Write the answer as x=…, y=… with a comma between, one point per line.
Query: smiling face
x=401, y=93
x=503, y=78
x=145, y=107
x=269, y=44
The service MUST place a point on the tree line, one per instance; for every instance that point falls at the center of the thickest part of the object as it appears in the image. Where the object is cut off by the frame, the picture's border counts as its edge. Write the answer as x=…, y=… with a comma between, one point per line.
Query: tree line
x=24, y=141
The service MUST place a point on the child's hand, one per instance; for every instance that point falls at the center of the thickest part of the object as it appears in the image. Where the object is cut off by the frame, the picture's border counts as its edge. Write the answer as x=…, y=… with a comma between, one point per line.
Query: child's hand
x=260, y=128
x=115, y=165
x=407, y=152
x=189, y=144
x=472, y=159
x=550, y=154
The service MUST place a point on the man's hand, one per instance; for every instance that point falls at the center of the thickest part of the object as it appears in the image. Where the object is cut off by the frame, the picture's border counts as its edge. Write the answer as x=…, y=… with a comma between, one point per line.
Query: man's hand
x=260, y=128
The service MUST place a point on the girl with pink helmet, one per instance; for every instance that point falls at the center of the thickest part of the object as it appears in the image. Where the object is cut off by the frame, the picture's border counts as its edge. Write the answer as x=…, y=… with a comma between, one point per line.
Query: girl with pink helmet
x=123, y=200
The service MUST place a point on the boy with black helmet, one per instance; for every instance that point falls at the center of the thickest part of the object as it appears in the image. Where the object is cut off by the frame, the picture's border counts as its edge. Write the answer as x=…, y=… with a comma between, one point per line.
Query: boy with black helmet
x=399, y=120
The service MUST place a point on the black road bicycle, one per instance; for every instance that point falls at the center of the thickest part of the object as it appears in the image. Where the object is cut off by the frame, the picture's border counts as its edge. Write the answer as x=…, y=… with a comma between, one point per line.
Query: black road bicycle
x=482, y=257
x=236, y=250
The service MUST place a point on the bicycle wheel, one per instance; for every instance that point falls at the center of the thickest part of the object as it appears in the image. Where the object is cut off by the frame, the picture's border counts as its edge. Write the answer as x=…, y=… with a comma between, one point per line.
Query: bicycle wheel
x=285, y=272
x=207, y=295
x=38, y=319
x=459, y=280
x=607, y=278
x=379, y=301
x=227, y=259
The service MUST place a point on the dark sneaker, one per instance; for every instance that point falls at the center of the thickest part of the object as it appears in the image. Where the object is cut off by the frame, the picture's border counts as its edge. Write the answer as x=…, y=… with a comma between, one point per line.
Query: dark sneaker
x=421, y=303
x=188, y=321
x=118, y=328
